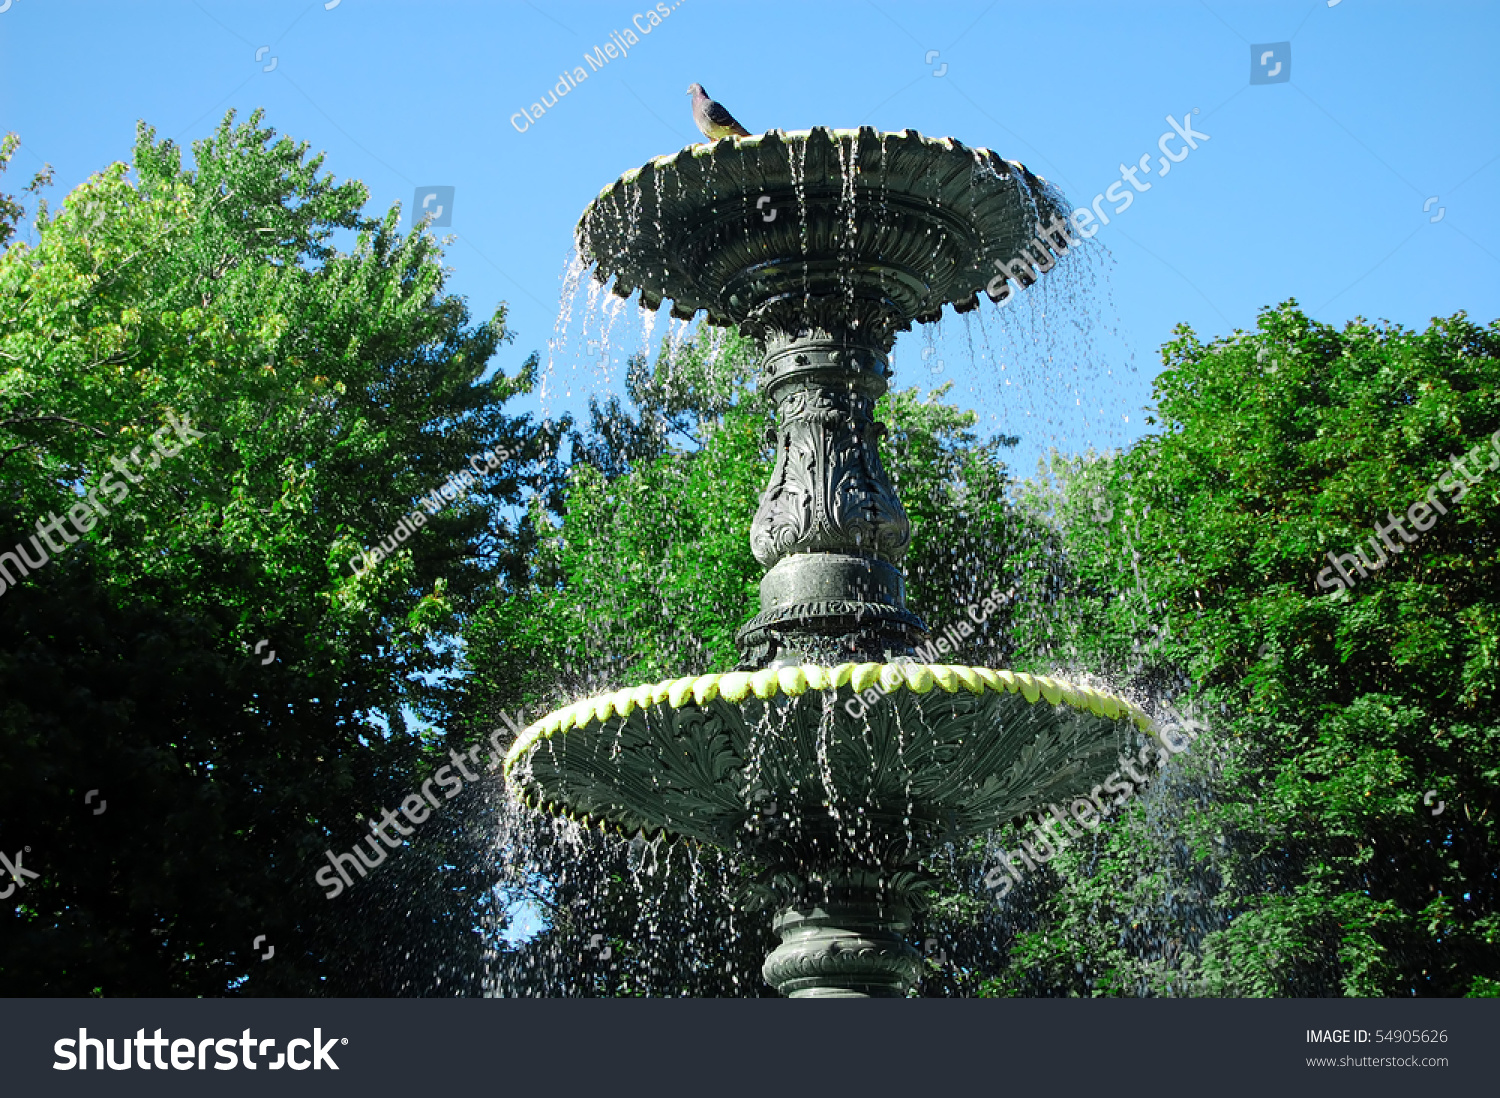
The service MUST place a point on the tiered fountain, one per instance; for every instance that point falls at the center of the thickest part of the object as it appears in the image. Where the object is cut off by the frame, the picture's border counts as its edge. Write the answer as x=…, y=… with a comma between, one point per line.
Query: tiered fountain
x=822, y=245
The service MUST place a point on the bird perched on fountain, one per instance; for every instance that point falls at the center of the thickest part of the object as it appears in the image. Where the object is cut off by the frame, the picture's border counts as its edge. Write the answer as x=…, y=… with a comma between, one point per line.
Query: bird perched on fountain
x=712, y=118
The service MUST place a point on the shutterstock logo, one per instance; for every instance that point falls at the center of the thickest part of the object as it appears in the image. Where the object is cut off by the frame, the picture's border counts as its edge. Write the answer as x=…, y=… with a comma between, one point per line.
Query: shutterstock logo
x=189, y=1055
x=1270, y=62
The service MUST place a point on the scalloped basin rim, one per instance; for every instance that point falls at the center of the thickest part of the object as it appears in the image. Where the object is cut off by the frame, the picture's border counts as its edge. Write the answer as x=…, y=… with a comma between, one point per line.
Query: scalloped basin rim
x=735, y=686
x=711, y=148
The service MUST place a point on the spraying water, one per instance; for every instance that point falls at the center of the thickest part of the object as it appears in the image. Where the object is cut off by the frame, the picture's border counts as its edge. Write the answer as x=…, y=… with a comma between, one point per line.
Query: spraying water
x=641, y=913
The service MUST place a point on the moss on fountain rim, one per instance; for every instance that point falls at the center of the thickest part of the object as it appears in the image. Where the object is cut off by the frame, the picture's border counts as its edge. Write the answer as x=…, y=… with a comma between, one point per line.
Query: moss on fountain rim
x=736, y=686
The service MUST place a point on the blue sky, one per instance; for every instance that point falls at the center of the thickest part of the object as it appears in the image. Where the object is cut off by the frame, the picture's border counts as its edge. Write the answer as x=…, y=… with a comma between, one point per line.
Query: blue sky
x=1357, y=186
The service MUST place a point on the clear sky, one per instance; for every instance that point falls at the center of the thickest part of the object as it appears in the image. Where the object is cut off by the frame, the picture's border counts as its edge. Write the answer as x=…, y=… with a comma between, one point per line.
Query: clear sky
x=1363, y=185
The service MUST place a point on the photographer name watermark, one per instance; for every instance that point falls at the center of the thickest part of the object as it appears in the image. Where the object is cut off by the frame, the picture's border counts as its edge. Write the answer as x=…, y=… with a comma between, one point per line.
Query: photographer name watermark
x=456, y=487
x=948, y=642
x=618, y=47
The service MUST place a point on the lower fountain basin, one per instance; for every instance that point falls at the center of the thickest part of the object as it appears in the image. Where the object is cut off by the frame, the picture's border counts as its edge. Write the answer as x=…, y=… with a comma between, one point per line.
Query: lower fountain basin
x=886, y=760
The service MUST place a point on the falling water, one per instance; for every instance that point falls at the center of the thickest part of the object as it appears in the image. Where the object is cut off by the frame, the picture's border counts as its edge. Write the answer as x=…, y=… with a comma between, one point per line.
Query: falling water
x=578, y=912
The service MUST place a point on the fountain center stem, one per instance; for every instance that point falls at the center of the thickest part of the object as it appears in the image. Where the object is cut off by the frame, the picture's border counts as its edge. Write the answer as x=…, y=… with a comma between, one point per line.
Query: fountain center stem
x=830, y=528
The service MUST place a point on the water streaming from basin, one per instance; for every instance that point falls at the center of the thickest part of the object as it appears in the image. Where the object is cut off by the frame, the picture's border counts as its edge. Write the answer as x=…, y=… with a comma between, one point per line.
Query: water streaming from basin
x=639, y=915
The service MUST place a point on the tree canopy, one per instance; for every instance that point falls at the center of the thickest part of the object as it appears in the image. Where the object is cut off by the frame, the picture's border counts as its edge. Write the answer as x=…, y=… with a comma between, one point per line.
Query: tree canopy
x=331, y=390
x=1338, y=837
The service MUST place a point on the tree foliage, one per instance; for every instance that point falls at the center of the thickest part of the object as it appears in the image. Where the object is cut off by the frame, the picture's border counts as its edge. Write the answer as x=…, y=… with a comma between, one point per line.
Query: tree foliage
x=1337, y=833
x=331, y=389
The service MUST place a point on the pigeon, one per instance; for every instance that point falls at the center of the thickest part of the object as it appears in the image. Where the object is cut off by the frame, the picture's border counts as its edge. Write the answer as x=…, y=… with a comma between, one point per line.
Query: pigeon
x=712, y=118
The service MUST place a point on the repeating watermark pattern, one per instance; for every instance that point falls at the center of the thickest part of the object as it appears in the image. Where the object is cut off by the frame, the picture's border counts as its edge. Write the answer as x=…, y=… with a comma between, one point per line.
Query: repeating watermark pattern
x=1090, y=810
x=760, y=204
x=1419, y=514
x=951, y=639
x=422, y=206
x=260, y=55
x=1050, y=243
x=270, y=950
x=617, y=48
x=767, y=820
x=85, y=514
x=416, y=807
x=1104, y=509
x=270, y=656
x=456, y=487
x=1435, y=218
x=599, y=948
x=93, y=215
x=930, y=57
x=88, y=798
x=1270, y=63
x=1427, y=799
x=1054, y=239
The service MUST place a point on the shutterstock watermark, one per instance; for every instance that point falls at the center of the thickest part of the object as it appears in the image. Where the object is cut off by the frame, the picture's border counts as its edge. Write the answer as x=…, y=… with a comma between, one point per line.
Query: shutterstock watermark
x=422, y=205
x=189, y=1054
x=85, y=514
x=17, y=873
x=1089, y=810
x=1053, y=241
x=416, y=807
x=1419, y=514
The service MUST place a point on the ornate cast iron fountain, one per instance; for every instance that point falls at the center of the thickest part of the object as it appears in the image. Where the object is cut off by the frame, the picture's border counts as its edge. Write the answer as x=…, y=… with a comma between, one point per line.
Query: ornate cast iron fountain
x=822, y=245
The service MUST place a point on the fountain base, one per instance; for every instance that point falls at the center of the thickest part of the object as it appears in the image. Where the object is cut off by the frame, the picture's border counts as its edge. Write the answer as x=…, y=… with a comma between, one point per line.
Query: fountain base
x=847, y=944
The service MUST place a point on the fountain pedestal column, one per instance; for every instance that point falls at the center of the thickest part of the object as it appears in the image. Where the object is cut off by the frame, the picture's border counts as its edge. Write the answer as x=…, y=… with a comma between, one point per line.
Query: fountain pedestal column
x=848, y=944
x=831, y=532
x=830, y=529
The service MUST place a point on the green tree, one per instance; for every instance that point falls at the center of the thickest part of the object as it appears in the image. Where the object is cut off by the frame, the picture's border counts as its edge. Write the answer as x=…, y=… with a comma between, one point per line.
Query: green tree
x=1295, y=852
x=11, y=210
x=331, y=390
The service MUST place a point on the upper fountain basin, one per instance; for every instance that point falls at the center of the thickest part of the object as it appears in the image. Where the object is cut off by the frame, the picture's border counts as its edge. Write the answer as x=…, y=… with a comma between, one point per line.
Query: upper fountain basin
x=894, y=224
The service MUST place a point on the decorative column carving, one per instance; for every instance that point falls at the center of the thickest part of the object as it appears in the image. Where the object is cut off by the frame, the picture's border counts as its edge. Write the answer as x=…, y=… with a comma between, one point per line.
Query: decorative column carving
x=830, y=528
x=848, y=943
